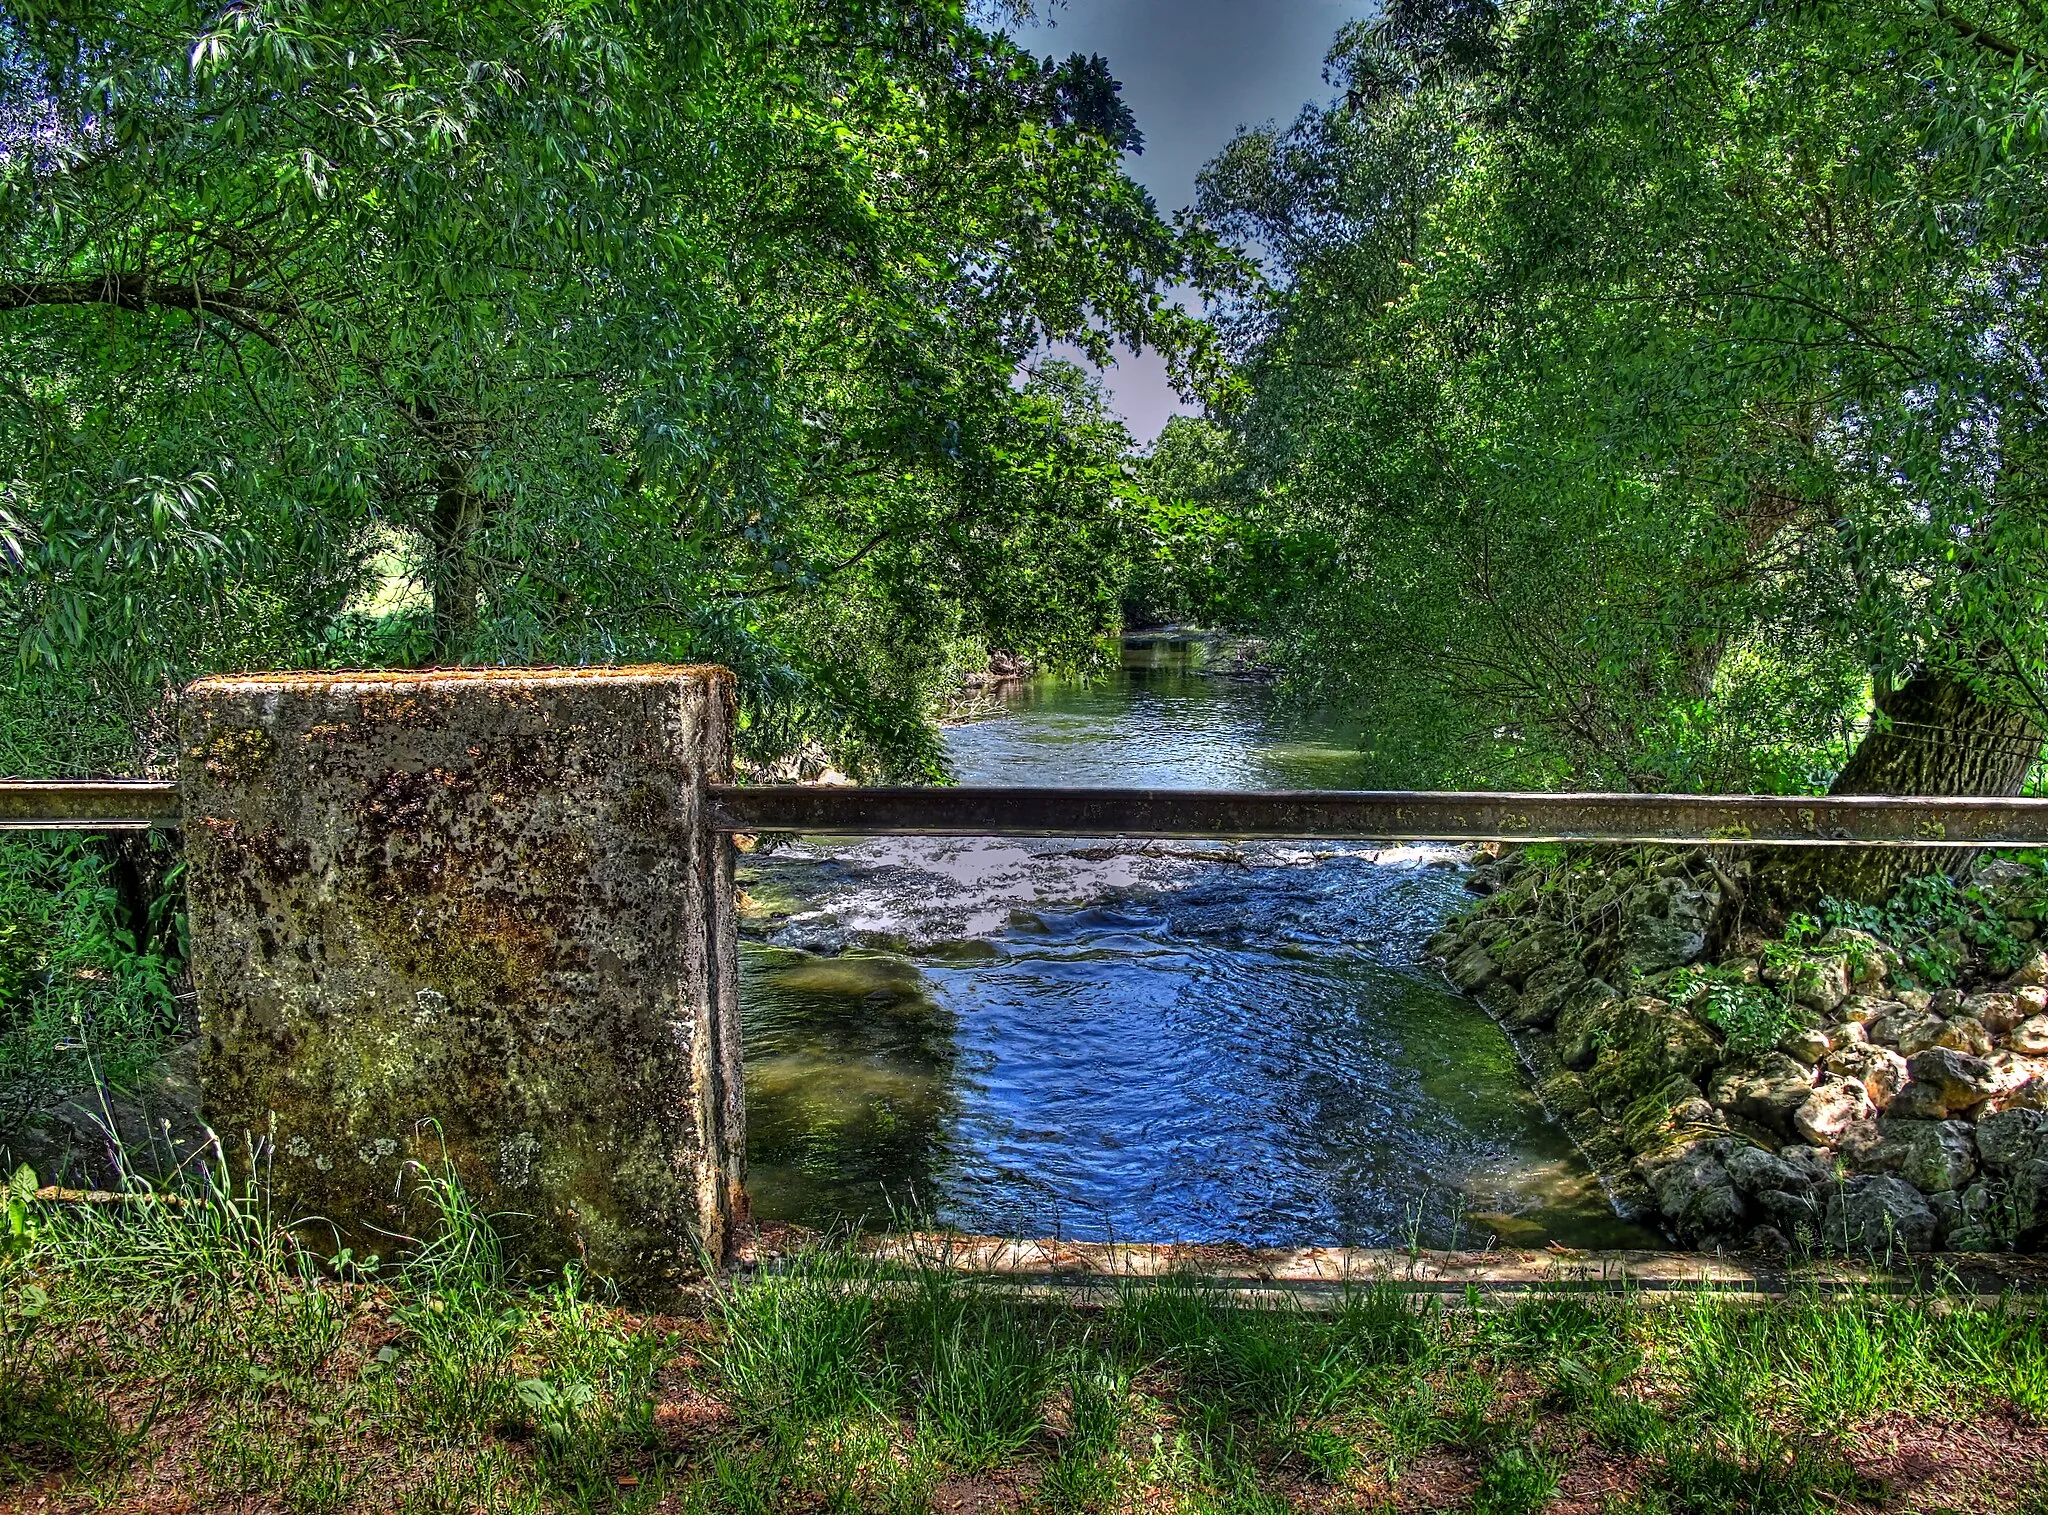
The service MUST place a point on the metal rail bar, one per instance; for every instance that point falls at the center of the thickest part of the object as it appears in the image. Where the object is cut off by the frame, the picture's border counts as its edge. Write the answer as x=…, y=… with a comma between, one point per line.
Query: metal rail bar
x=1876, y=821
x=87, y=805
x=1366, y=815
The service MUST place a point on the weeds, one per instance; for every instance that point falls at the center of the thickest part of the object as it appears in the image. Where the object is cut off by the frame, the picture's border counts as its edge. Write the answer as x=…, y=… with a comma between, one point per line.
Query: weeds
x=189, y=1340
x=797, y=1346
x=74, y=978
x=1519, y=1480
x=979, y=1396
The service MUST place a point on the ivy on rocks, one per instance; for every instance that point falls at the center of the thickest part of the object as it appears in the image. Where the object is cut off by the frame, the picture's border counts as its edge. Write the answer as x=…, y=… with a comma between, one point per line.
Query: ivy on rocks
x=1873, y=1078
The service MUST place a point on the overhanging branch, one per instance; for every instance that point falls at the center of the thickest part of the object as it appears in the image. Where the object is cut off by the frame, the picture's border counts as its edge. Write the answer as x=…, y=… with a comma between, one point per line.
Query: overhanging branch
x=139, y=292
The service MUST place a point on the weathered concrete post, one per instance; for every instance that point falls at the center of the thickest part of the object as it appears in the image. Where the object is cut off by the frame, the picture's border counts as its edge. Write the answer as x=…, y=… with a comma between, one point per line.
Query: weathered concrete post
x=474, y=914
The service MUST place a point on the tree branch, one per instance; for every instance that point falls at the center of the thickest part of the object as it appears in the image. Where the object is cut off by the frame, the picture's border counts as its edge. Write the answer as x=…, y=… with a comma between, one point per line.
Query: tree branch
x=1970, y=31
x=140, y=292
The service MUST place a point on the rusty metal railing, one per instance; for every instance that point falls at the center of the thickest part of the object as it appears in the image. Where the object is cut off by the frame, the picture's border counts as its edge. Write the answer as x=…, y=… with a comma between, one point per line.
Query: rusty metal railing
x=88, y=805
x=1382, y=815
x=1365, y=815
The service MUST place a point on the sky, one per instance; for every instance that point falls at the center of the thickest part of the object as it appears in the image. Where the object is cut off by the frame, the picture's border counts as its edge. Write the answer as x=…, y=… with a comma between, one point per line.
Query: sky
x=1194, y=71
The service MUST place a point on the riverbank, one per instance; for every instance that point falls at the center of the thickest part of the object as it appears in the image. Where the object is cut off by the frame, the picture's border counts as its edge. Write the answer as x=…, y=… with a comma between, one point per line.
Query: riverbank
x=190, y=1358
x=1869, y=1080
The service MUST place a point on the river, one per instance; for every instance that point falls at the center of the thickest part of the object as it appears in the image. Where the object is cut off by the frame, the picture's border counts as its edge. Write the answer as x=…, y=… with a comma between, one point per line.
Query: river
x=1143, y=1041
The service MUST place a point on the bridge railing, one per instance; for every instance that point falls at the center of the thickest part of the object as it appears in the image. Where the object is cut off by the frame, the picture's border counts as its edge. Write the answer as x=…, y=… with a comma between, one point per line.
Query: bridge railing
x=1365, y=815
x=487, y=918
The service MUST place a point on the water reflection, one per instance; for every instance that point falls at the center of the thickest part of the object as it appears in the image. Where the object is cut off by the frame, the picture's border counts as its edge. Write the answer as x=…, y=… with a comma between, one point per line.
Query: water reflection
x=1161, y=722
x=850, y=1084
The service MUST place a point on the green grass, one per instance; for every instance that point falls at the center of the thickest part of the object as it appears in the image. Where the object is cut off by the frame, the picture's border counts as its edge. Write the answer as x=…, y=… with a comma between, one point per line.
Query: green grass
x=193, y=1346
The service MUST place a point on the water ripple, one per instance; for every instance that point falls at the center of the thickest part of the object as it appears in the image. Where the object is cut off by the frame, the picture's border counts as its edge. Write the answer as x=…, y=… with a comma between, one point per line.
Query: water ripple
x=1146, y=1042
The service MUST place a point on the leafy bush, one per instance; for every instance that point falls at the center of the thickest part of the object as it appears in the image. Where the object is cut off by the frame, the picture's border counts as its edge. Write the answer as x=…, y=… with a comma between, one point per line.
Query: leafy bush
x=1933, y=922
x=1752, y=1018
x=78, y=994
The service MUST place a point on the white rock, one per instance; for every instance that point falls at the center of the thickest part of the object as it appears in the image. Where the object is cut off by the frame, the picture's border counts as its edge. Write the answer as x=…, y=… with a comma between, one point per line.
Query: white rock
x=1997, y=1013
x=2033, y=972
x=1907, y=1029
x=2030, y=1037
x=1833, y=1108
x=1965, y=1033
x=1805, y=1046
x=2019, y=1082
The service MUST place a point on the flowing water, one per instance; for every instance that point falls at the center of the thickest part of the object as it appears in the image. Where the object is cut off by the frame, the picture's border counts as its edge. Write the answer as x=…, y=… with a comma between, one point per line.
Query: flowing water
x=1146, y=1041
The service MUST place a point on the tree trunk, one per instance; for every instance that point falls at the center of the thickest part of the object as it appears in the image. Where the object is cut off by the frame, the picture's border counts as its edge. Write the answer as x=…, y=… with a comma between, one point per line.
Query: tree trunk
x=458, y=519
x=1933, y=735
x=126, y=855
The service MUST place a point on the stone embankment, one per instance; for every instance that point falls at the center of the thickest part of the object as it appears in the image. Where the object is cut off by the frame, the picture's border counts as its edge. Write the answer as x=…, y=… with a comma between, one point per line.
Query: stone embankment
x=1870, y=1080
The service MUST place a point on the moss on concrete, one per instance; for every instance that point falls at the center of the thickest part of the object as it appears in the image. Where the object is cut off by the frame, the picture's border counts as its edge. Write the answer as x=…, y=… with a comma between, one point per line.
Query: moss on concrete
x=469, y=919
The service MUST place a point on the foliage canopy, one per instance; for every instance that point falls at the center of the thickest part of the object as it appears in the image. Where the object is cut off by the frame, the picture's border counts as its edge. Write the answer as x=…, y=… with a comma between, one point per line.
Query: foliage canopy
x=1639, y=394
x=406, y=331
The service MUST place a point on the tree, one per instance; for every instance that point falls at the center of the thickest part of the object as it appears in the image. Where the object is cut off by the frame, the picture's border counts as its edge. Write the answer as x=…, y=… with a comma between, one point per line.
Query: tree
x=419, y=332
x=1662, y=380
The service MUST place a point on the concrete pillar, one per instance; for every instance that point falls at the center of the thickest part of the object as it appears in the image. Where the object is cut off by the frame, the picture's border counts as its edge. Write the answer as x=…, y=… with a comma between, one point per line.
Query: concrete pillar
x=474, y=915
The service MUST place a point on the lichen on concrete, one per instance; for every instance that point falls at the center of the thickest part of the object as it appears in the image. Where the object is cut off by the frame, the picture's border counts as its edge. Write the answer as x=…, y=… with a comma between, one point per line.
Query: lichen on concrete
x=470, y=918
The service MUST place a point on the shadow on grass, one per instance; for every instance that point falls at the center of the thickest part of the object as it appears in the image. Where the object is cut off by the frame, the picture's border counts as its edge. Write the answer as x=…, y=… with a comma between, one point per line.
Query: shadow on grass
x=192, y=1344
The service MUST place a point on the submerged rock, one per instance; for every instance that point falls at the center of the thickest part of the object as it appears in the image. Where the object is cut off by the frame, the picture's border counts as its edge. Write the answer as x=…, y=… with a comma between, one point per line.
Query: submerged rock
x=1471, y=968
x=1500, y=998
x=1445, y=941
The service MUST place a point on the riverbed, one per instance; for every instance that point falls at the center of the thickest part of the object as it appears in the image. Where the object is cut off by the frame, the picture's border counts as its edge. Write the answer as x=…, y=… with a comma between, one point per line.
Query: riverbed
x=1143, y=1041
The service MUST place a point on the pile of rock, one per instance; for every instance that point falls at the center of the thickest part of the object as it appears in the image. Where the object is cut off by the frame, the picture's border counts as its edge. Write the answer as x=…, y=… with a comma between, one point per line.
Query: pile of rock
x=1887, y=1116
x=1003, y=668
